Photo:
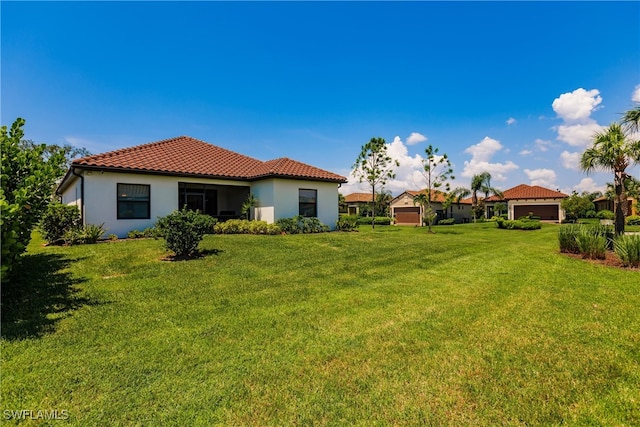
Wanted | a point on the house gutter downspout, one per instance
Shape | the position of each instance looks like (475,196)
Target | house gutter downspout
(73,172)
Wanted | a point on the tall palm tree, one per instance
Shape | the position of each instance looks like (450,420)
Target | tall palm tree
(481,183)
(613,151)
(631,119)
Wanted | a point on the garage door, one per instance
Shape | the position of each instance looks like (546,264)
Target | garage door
(545,212)
(407,215)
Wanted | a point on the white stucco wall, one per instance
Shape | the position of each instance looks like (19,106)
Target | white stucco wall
(101,199)
(279,198)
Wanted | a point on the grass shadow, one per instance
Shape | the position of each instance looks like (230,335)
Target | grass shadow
(39,296)
(199,254)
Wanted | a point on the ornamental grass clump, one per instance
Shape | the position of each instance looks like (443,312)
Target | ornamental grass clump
(567,238)
(627,247)
(592,245)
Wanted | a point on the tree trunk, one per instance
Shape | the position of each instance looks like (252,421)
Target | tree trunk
(474,205)
(373,207)
(621,202)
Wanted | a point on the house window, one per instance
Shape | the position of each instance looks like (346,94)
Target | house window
(308,202)
(134,201)
(198,197)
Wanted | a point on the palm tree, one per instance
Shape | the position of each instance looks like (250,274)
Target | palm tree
(631,119)
(613,151)
(481,183)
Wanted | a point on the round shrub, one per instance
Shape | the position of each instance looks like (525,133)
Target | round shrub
(633,220)
(57,220)
(183,230)
(606,214)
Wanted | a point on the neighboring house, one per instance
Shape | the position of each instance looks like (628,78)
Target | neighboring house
(129,189)
(357,202)
(604,202)
(524,200)
(405,212)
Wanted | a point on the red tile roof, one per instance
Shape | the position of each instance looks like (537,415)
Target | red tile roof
(436,196)
(524,191)
(357,197)
(189,156)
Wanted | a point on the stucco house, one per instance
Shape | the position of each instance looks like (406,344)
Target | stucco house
(602,203)
(356,202)
(405,212)
(523,200)
(128,189)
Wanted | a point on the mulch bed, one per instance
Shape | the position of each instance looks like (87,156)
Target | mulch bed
(610,260)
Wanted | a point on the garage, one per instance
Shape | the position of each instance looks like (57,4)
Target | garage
(407,215)
(545,212)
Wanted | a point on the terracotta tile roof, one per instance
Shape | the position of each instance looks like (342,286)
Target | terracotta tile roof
(436,196)
(357,197)
(189,156)
(524,191)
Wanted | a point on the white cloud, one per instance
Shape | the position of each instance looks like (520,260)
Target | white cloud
(481,154)
(589,185)
(542,145)
(578,105)
(526,152)
(542,177)
(511,121)
(416,138)
(408,175)
(636,94)
(570,160)
(578,134)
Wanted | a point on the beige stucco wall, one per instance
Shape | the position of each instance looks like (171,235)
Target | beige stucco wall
(511,204)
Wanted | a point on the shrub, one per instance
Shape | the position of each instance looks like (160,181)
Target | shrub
(590,214)
(606,214)
(135,234)
(627,247)
(299,224)
(448,221)
(243,226)
(518,224)
(183,230)
(567,237)
(591,245)
(57,219)
(633,220)
(112,237)
(347,223)
(380,220)
(72,236)
(152,232)
(92,233)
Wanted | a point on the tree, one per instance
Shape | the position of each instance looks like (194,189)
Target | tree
(437,171)
(451,197)
(423,200)
(383,203)
(374,166)
(68,151)
(499,208)
(480,183)
(613,151)
(28,176)
(576,206)
(631,120)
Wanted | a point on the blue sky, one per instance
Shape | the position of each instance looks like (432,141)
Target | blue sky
(512,88)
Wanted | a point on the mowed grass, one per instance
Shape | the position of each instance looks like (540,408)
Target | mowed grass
(469,326)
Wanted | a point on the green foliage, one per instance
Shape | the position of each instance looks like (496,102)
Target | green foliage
(243,226)
(449,221)
(374,166)
(135,234)
(633,220)
(590,214)
(299,224)
(183,230)
(248,205)
(379,220)
(576,206)
(57,219)
(627,247)
(347,223)
(605,214)
(112,237)
(567,238)
(437,171)
(591,245)
(27,182)
(80,235)
(519,224)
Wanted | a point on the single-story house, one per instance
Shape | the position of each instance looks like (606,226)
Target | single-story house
(356,202)
(128,189)
(406,212)
(604,203)
(524,200)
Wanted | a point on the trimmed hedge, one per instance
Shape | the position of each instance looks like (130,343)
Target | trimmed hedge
(301,225)
(380,220)
(633,220)
(518,224)
(243,226)
(448,221)
(347,223)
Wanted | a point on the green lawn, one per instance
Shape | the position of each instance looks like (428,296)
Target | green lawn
(469,326)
